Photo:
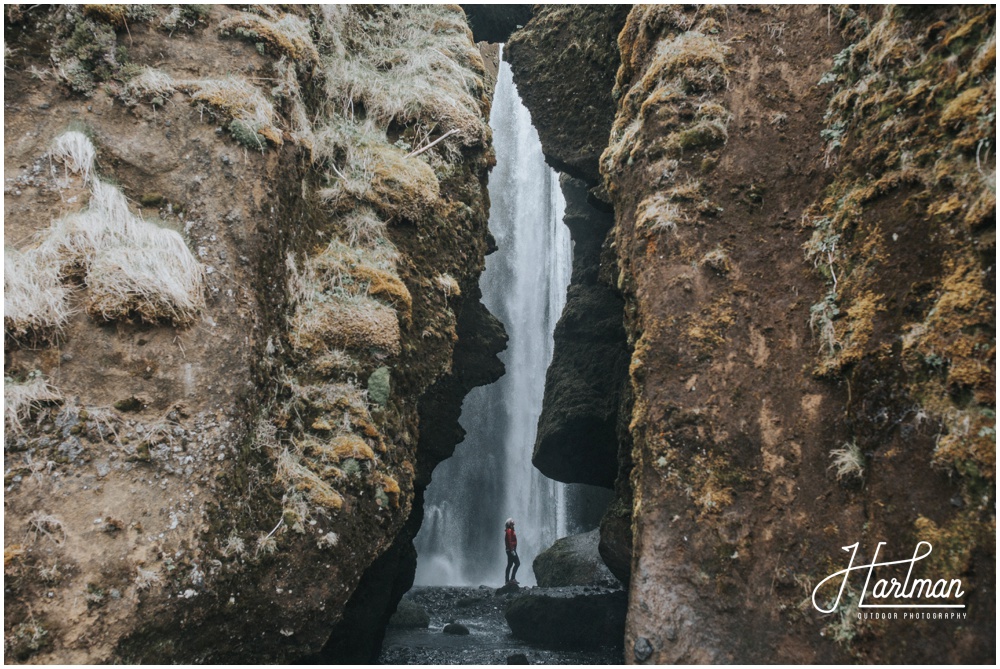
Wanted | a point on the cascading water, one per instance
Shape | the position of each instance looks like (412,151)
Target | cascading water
(490,477)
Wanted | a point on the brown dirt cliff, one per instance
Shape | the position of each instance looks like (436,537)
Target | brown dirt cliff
(804,238)
(233,291)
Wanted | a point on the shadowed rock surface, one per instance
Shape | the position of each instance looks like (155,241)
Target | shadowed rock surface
(569,617)
(577,430)
(409,614)
(495,23)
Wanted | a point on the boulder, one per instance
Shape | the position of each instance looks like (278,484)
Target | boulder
(458,629)
(409,615)
(575,617)
(573,560)
(509,588)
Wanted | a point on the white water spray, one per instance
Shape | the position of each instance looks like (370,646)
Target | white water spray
(490,477)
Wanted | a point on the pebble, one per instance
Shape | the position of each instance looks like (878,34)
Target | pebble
(642,649)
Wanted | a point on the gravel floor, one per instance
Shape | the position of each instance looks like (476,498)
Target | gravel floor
(489,640)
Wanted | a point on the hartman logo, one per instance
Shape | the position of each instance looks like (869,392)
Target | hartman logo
(884,593)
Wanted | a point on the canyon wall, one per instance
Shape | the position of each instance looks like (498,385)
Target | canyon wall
(804,239)
(241,312)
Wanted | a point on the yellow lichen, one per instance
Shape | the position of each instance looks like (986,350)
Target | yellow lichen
(113,14)
(706,329)
(952,543)
(391,488)
(351,446)
(293,472)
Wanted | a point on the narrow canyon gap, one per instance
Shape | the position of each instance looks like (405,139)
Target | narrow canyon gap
(490,477)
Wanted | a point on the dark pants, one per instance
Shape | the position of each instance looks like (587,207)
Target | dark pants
(512,561)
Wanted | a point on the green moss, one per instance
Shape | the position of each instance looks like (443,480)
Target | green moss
(379,386)
(246,134)
(26,639)
(351,467)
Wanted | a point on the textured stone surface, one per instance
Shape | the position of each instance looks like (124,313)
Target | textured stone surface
(226,474)
(564,62)
(812,359)
(495,23)
(576,440)
(570,617)
(572,560)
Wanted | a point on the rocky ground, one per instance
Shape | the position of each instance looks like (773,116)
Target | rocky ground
(489,640)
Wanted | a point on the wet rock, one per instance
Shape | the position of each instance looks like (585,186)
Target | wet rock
(409,615)
(518,658)
(458,629)
(573,560)
(569,617)
(615,546)
(508,589)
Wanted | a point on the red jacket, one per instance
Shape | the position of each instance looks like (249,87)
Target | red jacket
(510,539)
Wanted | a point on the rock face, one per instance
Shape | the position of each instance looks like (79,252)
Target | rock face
(806,251)
(572,560)
(577,430)
(569,617)
(568,53)
(225,351)
(495,23)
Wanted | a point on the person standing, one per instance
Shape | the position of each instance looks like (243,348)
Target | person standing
(510,544)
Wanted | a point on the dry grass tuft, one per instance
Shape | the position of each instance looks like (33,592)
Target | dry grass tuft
(447,284)
(848,461)
(410,65)
(233,97)
(657,213)
(47,525)
(131,267)
(292,472)
(287,36)
(149,82)
(337,306)
(350,323)
(20,399)
(365,169)
(74,150)
(35,300)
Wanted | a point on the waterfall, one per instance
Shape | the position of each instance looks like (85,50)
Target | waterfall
(490,477)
